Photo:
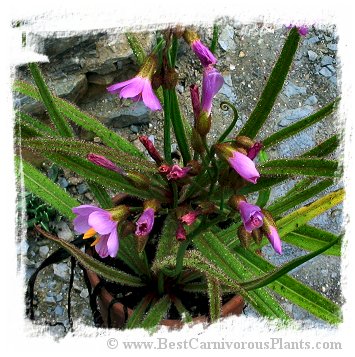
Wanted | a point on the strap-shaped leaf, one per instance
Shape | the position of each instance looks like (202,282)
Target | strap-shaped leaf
(272,87)
(300,125)
(157,313)
(214,298)
(300,217)
(312,238)
(307,167)
(215,35)
(101,269)
(284,269)
(81,148)
(46,189)
(58,120)
(182,310)
(83,119)
(40,128)
(292,289)
(101,195)
(138,313)
(136,47)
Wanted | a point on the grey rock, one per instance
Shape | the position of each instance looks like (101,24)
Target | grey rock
(59,311)
(226,39)
(43,251)
(82,188)
(332,46)
(327,60)
(227,88)
(59,297)
(28,105)
(62,181)
(134,129)
(137,113)
(63,231)
(180,88)
(291,90)
(325,72)
(61,270)
(312,100)
(49,300)
(74,180)
(333,79)
(84,293)
(291,115)
(331,68)
(72,87)
(313,40)
(101,79)
(312,55)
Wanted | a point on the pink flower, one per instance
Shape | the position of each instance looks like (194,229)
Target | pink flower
(203,53)
(180,233)
(190,218)
(138,89)
(145,222)
(254,150)
(212,82)
(302,29)
(252,216)
(93,220)
(164,169)
(177,172)
(244,166)
(274,239)
(105,163)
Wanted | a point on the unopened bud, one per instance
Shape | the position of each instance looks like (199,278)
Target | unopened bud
(235,200)
(153,152)
(243,141)
(245,237)
(196,142)
(119,213)
(195,167)
(180,233)
(141,243)
(257,235)
(138,180)
(203,124)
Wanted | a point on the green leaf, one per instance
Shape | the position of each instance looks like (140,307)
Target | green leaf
(138,313)
(292,289)
(284,269)
(311,239)
(136,47)
(214,298)
(178,126)
(40,128)
(300,125)
(300,217)
(101,269)
(214,38)
(184,313)
(46,189)
(108,137)
(157,313)
(325,148)
(101,195)
(58,120)
(307,167)
(272,87)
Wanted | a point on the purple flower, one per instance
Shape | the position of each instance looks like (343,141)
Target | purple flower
(254,150)
(252,216)
(105,163)
(93,220)
(212,82)
(138,89)
(180,233)
(302,29)
(177,172)
(203,53)
(244,166)
(190,217)
(274,239)
(145,222)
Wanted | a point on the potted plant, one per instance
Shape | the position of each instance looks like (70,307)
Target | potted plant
(183,230)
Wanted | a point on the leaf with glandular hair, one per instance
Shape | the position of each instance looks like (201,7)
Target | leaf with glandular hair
(101,269)
(101,195)
(307,167)
(182,310)
(214,298)
(136,47)
(108,137)
(291,289)
(272,87)
(56,116)
(40,128)
(156,313)
(81,148)
(135,319)
(300,217)
(46,189)
(300,125)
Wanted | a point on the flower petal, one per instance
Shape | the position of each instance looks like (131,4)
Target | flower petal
(244,166)
(81,224)
(101,247)
(85,210)
(113,243)
(116,88)
(275,240)
(132,89)
(102,222)
(149,97)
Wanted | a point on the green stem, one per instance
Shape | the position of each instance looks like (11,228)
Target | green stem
(167,124)
(224,106)
(214,39)
(158,46)
(175,194)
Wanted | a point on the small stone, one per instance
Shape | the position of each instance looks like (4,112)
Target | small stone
(84,293)
(180,88)
(63,182)
(313,40)
(63,231)
(323,289)
(324,272)
(61,270)
(226,39)
(82,188)
(332,46)
(89,196)
(333,275)
(97,140)
(43,251)
(331,68)
(74,180)
(333,79)
(326,60)
(291,115)
(241,54)
(134,129)
(50,299)
(59,311)
(325,72)
(312,55)
(232,67)
(59,297)
(312,100)
(291,90)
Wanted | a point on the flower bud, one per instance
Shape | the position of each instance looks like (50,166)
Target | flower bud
(119,213)
(203,124)
(195,100)
(244,236)
(243,141)
(180,233)
(138,180)
(195,167)
(177,172)
(270,230)
(105,163)
(257,235)
(196,142)
(254,150)
(153,152)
